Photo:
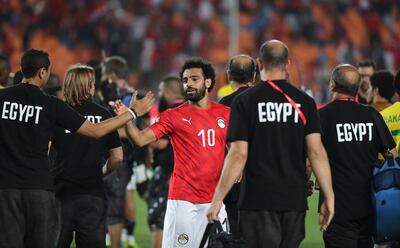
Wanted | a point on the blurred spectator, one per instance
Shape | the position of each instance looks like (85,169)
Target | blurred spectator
(54,87)
(156,36)
(5,70)
(17,77)
(366,68)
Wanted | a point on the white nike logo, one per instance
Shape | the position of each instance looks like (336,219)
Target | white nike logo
(188,121)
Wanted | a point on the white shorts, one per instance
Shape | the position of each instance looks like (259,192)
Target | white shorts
(131,186)
(185,223)
(140,174)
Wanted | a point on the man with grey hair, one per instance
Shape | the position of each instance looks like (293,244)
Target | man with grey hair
(350,136)
(272,127)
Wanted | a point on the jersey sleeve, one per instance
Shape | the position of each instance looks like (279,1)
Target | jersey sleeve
(238,128)
(66,117)
(313,123)
(163,126)
(385,139)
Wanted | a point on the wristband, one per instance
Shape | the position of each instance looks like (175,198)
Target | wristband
(132,112)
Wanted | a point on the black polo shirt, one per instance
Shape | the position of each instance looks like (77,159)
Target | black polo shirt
(350,137)
(78,160)
(227,100)
(275,173)
(233,196)
(27,119)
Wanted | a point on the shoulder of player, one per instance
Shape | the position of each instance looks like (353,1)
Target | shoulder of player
(298,93)
(93,109)
(389,110)
(225,100)
(181,107)
(219,106)
(97,108)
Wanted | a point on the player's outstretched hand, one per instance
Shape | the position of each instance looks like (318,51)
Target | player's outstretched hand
(326,213)
(213,211)
(120,108)
(143,105)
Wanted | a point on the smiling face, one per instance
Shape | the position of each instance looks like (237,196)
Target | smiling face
(194,84)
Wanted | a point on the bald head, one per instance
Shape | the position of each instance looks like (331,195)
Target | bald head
(346,79)
(242,69)
(170,88)
(274,54)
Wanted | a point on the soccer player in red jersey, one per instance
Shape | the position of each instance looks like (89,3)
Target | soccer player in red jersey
(197,130)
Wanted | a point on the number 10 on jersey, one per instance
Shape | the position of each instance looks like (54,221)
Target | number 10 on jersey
(208,135)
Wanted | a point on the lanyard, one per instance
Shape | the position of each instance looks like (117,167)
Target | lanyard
(243,86)
(290,100)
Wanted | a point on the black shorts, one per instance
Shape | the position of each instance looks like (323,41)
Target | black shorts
(86,216)
(355,233)
(115,188)
(269,229)
(28,218)
(158,197)
(156,212)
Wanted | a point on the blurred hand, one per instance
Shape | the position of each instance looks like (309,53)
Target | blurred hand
(120,108)
(310,187)
(213,211)
(143,105)
(327,212)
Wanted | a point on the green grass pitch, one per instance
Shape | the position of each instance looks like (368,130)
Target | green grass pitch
(313,235)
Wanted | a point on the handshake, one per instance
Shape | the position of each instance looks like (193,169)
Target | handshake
(136,107)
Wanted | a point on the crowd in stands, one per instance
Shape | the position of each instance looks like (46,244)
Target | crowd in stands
(156,36)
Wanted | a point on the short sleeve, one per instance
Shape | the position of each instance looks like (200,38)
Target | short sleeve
(66,117)
(238,128)
(385,139)
(163,126)
(313,123)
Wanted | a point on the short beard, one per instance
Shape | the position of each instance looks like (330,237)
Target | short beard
(200,93)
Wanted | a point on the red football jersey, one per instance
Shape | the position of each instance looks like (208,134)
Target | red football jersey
(198,138)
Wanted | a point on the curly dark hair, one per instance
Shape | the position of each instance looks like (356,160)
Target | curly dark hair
(208,70)
(383,81)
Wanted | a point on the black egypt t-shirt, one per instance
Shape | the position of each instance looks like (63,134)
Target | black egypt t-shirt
(233,196)
(27,120)
(352,142)
(78,160)
(227,100)
(275,171)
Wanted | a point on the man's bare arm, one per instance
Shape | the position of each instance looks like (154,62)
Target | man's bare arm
(98,130)
(233,167)
(320,166)
(159,144)
(139,137)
